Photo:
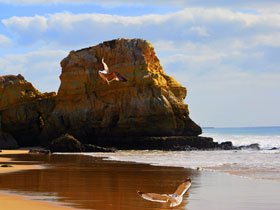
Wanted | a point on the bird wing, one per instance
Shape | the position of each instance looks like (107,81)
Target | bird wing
(120,77)
(154,197)
(106,69)
(182,188)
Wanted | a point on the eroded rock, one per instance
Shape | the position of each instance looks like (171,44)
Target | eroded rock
(23,109)
(143,106)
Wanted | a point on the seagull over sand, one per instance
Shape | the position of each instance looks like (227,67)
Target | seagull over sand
(175,199)
(110,76)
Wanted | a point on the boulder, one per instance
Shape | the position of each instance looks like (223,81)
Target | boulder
(254,146)
(227,145)
(150,103)
(6,166)
(66,143)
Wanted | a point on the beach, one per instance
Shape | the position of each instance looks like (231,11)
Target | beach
(11,200)
(85,182)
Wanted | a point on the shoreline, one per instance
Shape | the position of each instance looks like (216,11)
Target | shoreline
(15,164)
(73,179)
(15,201)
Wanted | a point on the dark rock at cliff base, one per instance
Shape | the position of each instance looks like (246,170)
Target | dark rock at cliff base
(227,145)
(66,143)
(94,148)
(254,146)
(39,151)
(7,141)
(175,143)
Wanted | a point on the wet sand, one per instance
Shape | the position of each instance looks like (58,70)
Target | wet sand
(13,202)
(16,165)
(86,182)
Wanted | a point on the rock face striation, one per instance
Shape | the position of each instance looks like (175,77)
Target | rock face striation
(90,109)
(23,109)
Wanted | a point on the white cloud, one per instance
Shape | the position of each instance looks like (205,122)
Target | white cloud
(272,39)
(75,29)
(41,68)
(228,60)
(201,31)
(4,41)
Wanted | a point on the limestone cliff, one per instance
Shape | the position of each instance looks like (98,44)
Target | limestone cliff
(143,106)
(23,109)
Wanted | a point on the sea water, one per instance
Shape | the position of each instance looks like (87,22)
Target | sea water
(259,164)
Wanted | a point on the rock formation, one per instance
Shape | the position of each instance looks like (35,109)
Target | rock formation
(90,109)
(23,109)
(147,108)
(68,143)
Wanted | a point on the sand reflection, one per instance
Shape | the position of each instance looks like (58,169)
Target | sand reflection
(90,183)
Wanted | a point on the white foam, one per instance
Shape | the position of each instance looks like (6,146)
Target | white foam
(265,141)
(258,164)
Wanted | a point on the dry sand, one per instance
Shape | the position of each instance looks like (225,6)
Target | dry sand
(13,202)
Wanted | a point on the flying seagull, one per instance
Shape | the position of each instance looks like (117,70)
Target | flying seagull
(110,76)
(175,199)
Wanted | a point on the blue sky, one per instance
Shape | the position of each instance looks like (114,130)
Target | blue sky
(225,52)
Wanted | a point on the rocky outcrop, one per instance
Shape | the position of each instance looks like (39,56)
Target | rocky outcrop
(143,106)
(68,143)
(148,108)
(175,143)
(23,109)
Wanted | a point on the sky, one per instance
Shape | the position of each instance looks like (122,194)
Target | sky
(226,52)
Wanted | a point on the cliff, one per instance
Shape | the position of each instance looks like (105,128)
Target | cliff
(146,111)
(90,109)
(23,109)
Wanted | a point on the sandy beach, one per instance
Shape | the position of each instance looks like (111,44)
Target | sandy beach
(13,202)
(16,165)
(85,182)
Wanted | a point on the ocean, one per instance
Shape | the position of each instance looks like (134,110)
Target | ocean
(248,163)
